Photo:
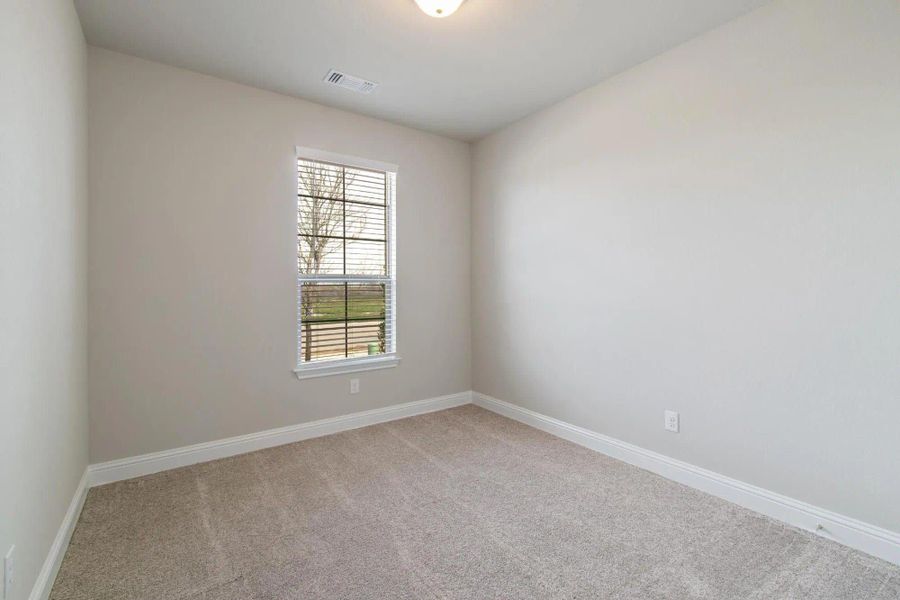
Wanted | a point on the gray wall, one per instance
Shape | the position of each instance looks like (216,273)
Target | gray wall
(43,274)
(714,232)
(193,259)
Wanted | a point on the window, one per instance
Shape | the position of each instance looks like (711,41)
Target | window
(345,264)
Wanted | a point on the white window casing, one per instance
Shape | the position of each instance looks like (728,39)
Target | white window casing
(346,264)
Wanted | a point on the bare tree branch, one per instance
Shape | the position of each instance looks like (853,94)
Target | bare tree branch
(321,223)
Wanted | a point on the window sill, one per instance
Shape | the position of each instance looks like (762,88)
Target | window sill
(349,365)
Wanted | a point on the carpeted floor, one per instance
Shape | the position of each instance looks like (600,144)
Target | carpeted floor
(457,504)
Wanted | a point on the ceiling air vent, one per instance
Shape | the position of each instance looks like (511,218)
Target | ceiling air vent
(356,84)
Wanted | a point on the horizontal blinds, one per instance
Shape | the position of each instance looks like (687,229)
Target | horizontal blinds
(346,288)
(342,320)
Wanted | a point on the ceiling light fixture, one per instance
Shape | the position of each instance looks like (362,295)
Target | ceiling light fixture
(439,8)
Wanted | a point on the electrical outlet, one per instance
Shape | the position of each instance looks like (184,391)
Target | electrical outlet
(8,573)
(354,386)
(671,423)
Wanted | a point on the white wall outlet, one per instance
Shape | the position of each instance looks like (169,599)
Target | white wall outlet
(8,573)
(354,386)
(671,421)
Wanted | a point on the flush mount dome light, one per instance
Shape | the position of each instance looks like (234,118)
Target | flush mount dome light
(439,8)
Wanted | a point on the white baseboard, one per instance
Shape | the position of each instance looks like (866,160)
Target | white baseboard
(850,532)
(856,534)
(44,582)
(146,464)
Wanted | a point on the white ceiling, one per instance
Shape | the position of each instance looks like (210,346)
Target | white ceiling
(464,76)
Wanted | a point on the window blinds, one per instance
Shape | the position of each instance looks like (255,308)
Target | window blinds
(345,262)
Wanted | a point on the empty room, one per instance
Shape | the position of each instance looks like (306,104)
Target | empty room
(450,299)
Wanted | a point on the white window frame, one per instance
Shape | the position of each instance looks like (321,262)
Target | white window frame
(390,358)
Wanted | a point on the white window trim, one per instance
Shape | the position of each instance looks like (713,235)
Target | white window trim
(388,360)
(345,160)
(347,365)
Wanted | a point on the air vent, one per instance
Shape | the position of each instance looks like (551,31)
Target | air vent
(356,84)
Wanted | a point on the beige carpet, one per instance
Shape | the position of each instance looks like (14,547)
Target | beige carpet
(457,504)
